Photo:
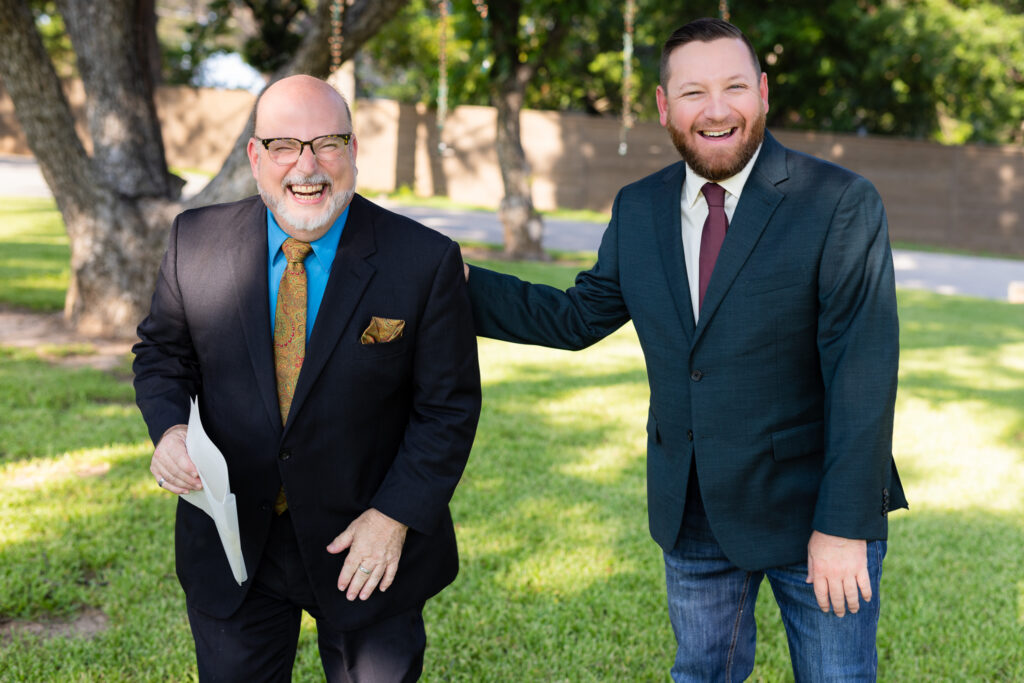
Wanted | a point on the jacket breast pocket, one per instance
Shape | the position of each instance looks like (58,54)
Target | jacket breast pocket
(798,442)
(783,279)
(373,352)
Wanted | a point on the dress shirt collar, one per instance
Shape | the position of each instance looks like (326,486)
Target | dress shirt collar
(733,185)
(324,248)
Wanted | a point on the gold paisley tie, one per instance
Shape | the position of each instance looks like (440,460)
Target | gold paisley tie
(290,332)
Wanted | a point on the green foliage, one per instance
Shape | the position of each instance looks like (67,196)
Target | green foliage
(917,68)
(947,70)
(265,32)
(50,25)
(584,75)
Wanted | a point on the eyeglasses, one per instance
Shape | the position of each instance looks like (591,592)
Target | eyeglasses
(285,151)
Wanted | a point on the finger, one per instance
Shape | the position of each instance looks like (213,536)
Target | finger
(371,582)
(184,472)
(340,542)
(835,591)
(166,483)
(359,579)
(864,582)
(821,594)
(389,576)
(852,596)
(347,571)
(175,481)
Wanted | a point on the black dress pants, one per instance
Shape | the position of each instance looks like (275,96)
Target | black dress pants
(259,641)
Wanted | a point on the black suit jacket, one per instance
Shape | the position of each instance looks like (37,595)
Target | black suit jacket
(783,391)
(387,426)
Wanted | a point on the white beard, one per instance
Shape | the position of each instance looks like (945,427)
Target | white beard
(284,214)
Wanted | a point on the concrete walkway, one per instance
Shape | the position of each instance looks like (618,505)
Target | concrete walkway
(988,278)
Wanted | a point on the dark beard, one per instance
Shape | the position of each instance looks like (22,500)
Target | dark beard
(707,168)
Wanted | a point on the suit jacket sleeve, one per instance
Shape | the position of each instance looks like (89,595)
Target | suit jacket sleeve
(445,406)
(166,368)
(506,308)
(858,344)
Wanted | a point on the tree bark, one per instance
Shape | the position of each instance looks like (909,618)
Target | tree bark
(522,225)
(111,227)
(118,204)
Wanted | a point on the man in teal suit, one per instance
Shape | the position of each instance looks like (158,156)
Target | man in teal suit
(760,283)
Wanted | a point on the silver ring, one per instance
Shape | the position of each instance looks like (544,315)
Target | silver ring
(364,569)
(160,482)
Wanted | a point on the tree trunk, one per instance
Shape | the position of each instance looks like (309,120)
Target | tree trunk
(118,204)
(112,228)
(522,225)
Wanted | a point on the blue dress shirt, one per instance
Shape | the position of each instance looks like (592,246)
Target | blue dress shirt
(318,266)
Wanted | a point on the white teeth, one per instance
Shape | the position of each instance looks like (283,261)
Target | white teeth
(716,134)
(307,189)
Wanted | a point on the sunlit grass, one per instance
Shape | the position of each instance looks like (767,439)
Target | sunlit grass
(34,260)
(559,578)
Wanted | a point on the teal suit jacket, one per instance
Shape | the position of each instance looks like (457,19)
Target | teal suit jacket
(783,391)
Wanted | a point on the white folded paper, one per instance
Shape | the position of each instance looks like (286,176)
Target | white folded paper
(215,498)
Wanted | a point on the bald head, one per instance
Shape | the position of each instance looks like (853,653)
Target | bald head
(300,95)
(305,192)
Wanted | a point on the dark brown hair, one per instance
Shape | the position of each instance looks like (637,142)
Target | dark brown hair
(705,30)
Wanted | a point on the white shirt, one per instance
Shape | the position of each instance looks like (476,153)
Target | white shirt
(694,210)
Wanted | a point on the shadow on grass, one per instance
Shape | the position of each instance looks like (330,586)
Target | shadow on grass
(51,410)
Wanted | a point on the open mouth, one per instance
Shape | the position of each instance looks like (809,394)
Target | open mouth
(723,134)
(308,192)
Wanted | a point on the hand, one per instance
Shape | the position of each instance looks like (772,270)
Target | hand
(374,542)
(838,567)
(171,465)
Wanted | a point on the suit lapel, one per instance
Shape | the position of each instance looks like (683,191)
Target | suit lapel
(350,275)
(757,203)
(668,224)
(247,263)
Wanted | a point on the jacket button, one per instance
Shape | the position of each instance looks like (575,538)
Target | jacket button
(696,375)
(284,454)
(264,507)
(689,434)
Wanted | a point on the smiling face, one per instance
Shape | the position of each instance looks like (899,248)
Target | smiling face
(306,196)
(714,104)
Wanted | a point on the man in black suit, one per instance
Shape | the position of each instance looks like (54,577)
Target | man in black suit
(343,474)
(760,282)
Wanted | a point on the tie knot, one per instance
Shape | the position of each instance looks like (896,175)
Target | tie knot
(295,250)
(714,194)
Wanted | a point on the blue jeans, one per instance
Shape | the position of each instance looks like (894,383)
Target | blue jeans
(711,606)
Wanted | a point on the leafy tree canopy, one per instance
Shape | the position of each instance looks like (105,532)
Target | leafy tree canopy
(946,70)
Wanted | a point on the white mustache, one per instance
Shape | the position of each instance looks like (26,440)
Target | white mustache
(300,179)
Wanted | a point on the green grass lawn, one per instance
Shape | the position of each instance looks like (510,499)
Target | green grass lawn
(560,580)
(34,261)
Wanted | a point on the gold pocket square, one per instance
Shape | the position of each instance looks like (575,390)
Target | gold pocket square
(382,331)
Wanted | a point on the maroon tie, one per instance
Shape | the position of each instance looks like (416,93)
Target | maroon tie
(713,235)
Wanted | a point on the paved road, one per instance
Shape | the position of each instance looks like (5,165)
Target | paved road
(987,278)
